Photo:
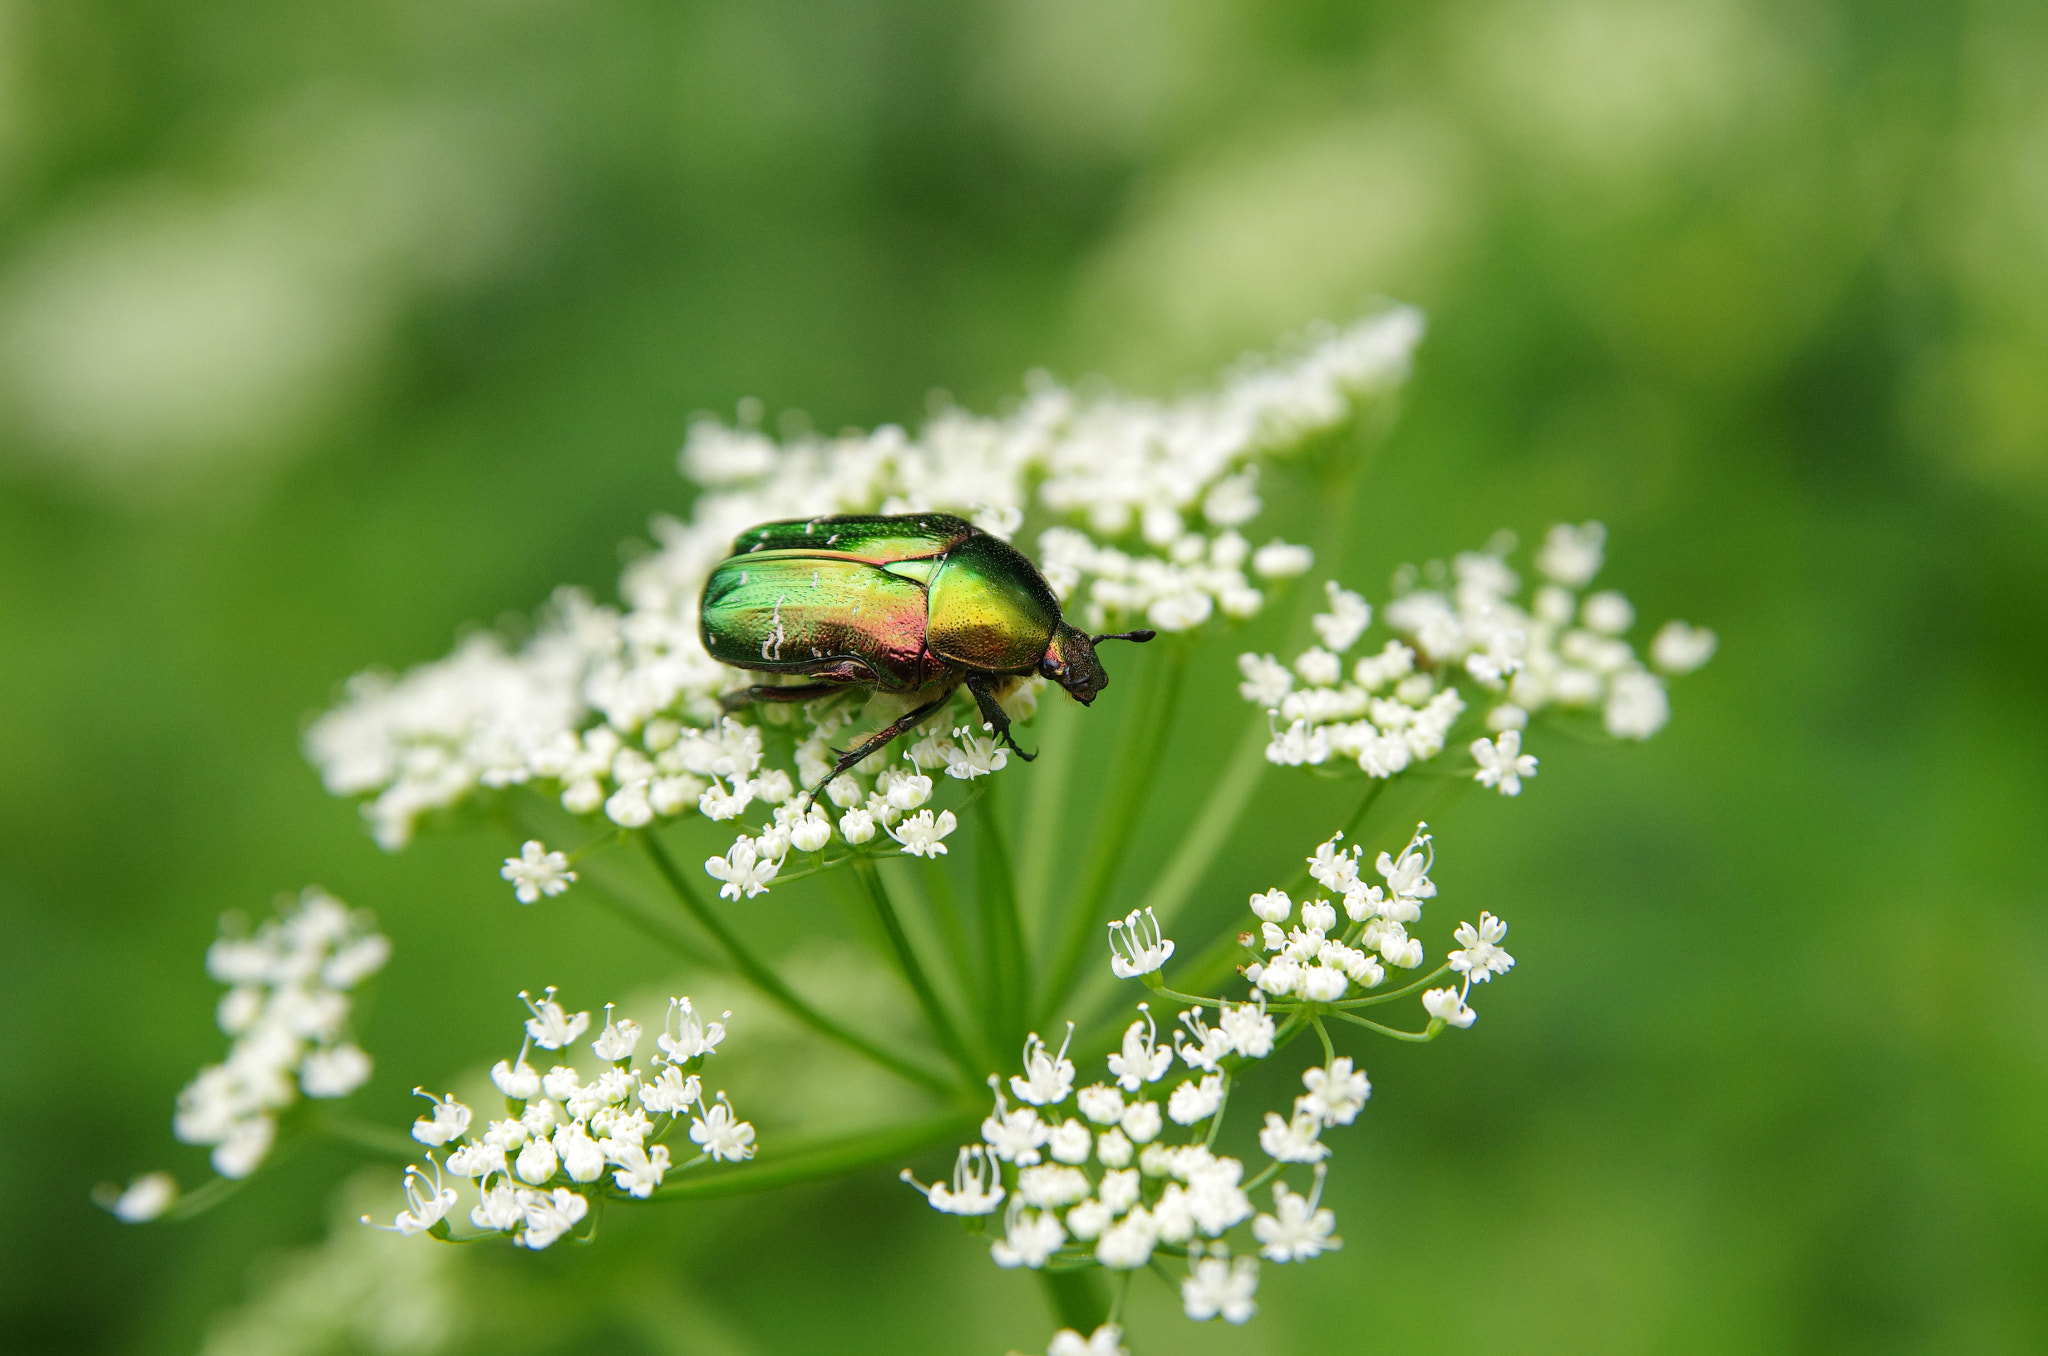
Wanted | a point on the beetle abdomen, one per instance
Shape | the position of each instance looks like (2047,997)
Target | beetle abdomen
(803,612)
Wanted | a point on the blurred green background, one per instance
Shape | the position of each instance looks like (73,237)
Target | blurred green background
(327,329)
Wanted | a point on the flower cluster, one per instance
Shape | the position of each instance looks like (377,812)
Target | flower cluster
(1309,960)
(287,1008)
(1124,1170)
(566,1138)
(1398,705)
(617,711)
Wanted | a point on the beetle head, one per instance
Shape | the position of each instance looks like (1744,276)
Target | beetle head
(1070,660)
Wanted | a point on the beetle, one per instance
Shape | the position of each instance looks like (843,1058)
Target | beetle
(913,603)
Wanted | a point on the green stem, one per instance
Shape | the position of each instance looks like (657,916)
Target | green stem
(944,911)
(1349,828)
(653,925)
(1329,1050)
(377,1139)
(761,977)
(1002,932)
(826,1158)
(1419,1037)
(1076,1298)
(1137,758)
(1216,1121)
(1045,810)
(935,1014)
(1389,997)
(204,1198)
(1212,825)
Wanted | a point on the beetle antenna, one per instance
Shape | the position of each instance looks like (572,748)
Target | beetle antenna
(1139,636)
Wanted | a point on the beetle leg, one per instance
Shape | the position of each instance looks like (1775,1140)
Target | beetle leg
(879,738)
(766,692)
(992,712)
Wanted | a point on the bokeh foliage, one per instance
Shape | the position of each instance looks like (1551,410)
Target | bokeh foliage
(323,330)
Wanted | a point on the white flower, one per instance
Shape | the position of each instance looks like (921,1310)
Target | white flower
(617,1040)
(498,1209)
(1127,1244)
(1113,1149)
(1193,1101)
(145,1198)
(856,826)
(1637,706)
(640,1171)
(1679,648)
(1250,1028)
(684,1036)
(1106,1340)
(518,1080)
(1218,1286)
(1141,1060)
(977,1185)
(1136,945)
(1296,1230)
(549,1215)
(744,869)
(1346,620)
(429,1202)
(1572,555)
(1318,667)
(812,831)
(550,1027)
(1070,1142)
(975,756)
(718,803)
(1481,957)
(1102,1103)
(1407,876)
(629,807)
(1014,1136)
(921,835)
(1209,1046)
(906,791)
(1050,1186)
(1279,560)
(335,1071)
(1273,906)
(1141,1122)
(670,1092)
(536,872)
(1608,613)
(1295,1140)
(1335,1095)
(450,1120)
(1448,1005)
(1267,681)
(474,1160)
(722,1135)
(1047,1078)
(581,1159)
(1029,1238)
(536,1162)
(1502,763)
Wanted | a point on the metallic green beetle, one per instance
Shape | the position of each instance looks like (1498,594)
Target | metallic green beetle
(917,603)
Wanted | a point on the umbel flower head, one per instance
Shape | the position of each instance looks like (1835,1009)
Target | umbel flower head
(617,712)
(569,1136)
(1103,1147)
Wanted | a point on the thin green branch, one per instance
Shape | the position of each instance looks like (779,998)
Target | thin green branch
(935,1014)
(1137,758)
(824,1158)
(1075,1298)
(1428,1033)
(376,1139)
(1390,996)
(1212,825)
(1002,932)
(762,978)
